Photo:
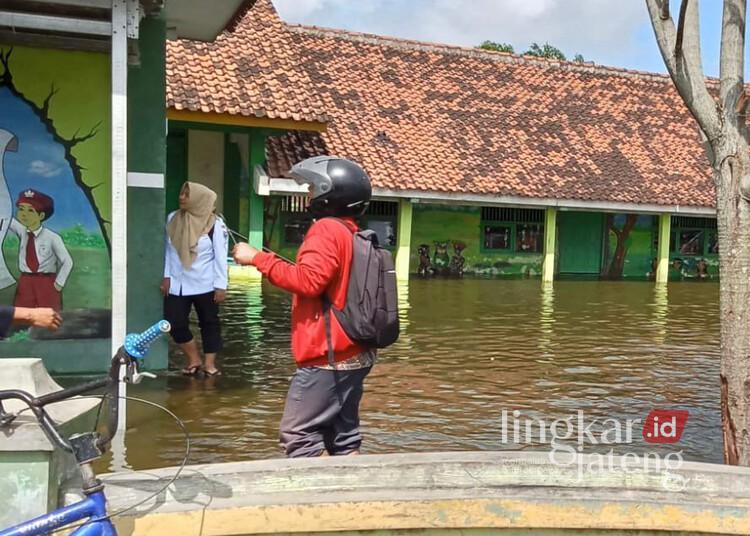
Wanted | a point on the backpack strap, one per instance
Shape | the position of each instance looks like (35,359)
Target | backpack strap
(327,305)
(327,320)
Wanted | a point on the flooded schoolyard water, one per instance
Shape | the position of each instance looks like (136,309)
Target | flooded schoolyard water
(469,350)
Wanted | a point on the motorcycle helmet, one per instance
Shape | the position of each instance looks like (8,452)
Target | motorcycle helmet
(338,187)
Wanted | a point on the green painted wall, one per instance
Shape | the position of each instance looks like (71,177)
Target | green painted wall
(146,206)
(580,236)
(443,224)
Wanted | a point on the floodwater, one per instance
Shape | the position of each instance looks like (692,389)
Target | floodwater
(470,350)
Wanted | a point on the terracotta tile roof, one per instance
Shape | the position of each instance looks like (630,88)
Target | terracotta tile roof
(250,69)
(437,118)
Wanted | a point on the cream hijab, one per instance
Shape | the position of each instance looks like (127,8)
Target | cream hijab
(190,223)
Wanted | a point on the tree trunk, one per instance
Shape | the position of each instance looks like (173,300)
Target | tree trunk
(618,258)
(732,163)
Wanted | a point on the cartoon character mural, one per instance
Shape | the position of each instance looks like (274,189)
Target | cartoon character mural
(458,261)
(55,251)
(442,259)
(43,259)
(443,263)
(425,264)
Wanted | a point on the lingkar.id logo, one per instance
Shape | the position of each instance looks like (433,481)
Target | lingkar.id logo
(568,437)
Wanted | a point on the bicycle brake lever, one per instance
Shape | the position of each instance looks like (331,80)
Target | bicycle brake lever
(138,376)
(5,417)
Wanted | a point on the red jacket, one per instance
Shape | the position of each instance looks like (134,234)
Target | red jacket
(323,264)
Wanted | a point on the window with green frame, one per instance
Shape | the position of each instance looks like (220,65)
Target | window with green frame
(694,237)
(382,217)
(516,230)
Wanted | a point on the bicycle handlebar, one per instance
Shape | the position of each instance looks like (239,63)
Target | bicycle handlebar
(134,349)
(137,345)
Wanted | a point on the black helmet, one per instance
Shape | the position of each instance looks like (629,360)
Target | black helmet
(339,187)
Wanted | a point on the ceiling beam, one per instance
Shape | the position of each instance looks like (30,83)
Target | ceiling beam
(54,41)
(28,21)
(97,4)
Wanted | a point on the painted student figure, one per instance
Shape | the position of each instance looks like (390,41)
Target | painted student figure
(43,259)
(195,275)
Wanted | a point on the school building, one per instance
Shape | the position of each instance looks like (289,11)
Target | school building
(483,163)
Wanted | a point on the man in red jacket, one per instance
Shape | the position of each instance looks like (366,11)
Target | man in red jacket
(321,415)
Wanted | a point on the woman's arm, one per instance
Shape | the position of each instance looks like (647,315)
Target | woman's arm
(221,246)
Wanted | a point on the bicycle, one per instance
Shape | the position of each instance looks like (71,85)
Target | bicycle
(85,447)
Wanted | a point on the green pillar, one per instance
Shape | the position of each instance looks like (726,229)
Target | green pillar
(550,239)
(662,266)
(255,204)
(147,156)
(403,236)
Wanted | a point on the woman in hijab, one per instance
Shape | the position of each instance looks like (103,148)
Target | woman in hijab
(195,275)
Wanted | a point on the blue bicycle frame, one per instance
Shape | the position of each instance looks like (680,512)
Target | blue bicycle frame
(91,511)
(91,508)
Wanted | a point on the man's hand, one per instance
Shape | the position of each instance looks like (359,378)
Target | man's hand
(42,317)
(244,253)
(58,288)
(219,295)
(164,287)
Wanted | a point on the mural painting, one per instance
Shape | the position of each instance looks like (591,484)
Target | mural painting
(630,247)
(443,264)
(697,268)
(619,227)
(54,188)
(450,241)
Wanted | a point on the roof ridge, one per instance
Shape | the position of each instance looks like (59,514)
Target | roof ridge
(428,46)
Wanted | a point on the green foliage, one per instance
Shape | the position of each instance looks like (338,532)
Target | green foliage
(78,237)
(497,47)
(545,51)
(540,51)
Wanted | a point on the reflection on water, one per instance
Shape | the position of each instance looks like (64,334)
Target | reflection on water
(470,349)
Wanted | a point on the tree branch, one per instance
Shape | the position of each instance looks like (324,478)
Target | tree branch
(76,139)
(687,69)
(680,27)
(45,105)
(664,15)
(732,65)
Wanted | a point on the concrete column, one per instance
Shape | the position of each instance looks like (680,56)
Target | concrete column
(147,162)
(403,234)
(255,218)
(662,267)
(550,239)
(255,205)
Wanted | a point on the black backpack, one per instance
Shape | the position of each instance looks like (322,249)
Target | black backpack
(370,315)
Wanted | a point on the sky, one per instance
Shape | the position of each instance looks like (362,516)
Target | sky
(609,32)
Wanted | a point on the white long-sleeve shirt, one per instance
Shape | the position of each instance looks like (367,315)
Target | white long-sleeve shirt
(209,270)
(50,249)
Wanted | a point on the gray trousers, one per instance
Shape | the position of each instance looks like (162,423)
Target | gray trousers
(322,412)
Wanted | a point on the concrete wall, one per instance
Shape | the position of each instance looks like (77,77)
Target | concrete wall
(503,492)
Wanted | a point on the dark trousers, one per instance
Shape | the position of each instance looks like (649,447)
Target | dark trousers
(322,412)
(177,312)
